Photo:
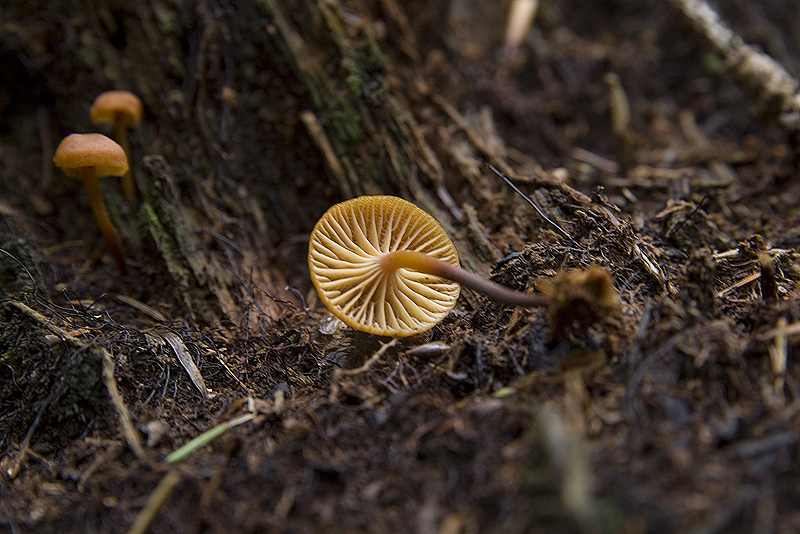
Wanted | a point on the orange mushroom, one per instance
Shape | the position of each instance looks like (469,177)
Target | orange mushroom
(123,110)
(384,266)
(90,157)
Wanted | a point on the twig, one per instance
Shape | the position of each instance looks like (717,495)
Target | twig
(520,17)
(569,458)
(743,282)
(789,330)
(754,68)
(778,355)
(13,471)
(131,436)
(473,136)
(595,160)
(339,373)
(156,501)
(324,145)
(620,106)
(142,307)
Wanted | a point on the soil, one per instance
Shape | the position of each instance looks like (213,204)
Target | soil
(658,393)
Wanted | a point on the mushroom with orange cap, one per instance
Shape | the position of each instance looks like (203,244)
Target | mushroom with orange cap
(122,110)
(90,157)
(384,266)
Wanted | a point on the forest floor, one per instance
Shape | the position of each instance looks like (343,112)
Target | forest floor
(678,411)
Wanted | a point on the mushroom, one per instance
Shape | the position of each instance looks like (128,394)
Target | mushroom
(384,266)
(123,110)
(90,157)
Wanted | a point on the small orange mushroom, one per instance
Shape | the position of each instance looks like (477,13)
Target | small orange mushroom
(90,157)
(384,266)
(122,110)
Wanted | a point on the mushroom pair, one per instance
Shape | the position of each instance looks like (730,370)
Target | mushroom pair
(384,266)
(93,156)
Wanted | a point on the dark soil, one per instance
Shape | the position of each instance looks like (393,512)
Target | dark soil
(677,411)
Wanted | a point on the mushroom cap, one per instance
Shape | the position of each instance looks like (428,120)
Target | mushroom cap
(116,106)
(76,151)
(345,249)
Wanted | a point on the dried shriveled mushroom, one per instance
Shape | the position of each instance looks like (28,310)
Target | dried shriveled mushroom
(122,110)
(90,157)
(384,266)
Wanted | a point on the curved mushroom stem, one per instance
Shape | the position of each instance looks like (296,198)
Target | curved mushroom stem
(92,184)
(418,261)
(128,185)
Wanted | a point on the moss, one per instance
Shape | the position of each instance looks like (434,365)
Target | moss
(165,244)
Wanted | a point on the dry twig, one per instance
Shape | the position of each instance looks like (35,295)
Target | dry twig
(339,373)
(754,68)
(131,436)
(156,501)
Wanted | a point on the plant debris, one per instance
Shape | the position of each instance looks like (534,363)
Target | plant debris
(615,157)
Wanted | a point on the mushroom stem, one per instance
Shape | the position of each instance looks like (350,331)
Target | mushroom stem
(92,185)
(421,262)
(128,185)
